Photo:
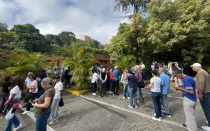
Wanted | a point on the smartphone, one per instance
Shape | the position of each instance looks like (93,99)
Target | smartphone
(32,101)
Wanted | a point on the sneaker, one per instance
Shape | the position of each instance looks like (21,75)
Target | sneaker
(184,125)
(206,128)
(162,111)
(123,98)
(136,106)
(130,106)
(128,98)
(17,128)
(168,115)
(25,112)
(50,119)
(155,116)
(94,94)
(156,119)
(53,122)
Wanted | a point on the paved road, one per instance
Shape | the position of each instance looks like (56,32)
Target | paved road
(27,122)
(80,114)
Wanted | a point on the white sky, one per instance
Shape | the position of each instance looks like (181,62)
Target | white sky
(82,17)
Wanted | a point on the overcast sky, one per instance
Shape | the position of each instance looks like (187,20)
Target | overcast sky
(91,17)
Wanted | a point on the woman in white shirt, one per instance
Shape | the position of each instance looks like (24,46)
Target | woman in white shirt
(33,90)
(14,98)
(94,81)
(155,85)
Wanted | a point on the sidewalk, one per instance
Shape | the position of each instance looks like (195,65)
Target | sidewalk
(147,108)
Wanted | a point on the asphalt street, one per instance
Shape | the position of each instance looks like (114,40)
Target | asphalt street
(80,114)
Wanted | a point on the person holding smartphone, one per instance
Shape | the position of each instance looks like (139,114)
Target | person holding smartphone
(155,85)
(43,105)
(189,101)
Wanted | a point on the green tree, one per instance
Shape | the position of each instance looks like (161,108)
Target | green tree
(127,40)
(66,37)
(54,41)
(29,38)
(125,62)
(19,62)
(126,5)
(80,63)
(180,28)
(6,37)
(3,27)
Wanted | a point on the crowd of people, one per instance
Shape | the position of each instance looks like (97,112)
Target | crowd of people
(42,95)
(133,80)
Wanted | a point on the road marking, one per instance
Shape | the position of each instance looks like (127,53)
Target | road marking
(131,111)
(31,115)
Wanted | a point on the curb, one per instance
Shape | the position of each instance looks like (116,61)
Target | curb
(77,93)
(131,111)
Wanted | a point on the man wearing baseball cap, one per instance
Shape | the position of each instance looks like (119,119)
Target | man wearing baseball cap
(203,89)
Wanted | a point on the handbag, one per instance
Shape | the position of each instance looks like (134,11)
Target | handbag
(141,84)
(61,103)
(9,114)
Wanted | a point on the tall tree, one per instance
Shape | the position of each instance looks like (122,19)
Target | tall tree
(6,37)
(29,39)
(127,5)
(54,40)
(180,28)
(3,27)
(66,37)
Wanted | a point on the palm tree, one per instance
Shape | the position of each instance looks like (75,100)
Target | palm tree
(125,5)
(80,63)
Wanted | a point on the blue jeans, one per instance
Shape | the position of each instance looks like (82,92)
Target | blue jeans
(164,101)
(126,90)
(94,87)
(133,101)
(41,121)
(4,99)
(14,120)
(156,101)
(139,93)
(205,104)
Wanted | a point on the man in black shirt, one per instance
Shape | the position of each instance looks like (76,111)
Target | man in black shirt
(5,91)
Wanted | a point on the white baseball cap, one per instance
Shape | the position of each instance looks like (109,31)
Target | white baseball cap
(196,65)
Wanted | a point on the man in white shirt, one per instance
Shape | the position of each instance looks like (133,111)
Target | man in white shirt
(58,96)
